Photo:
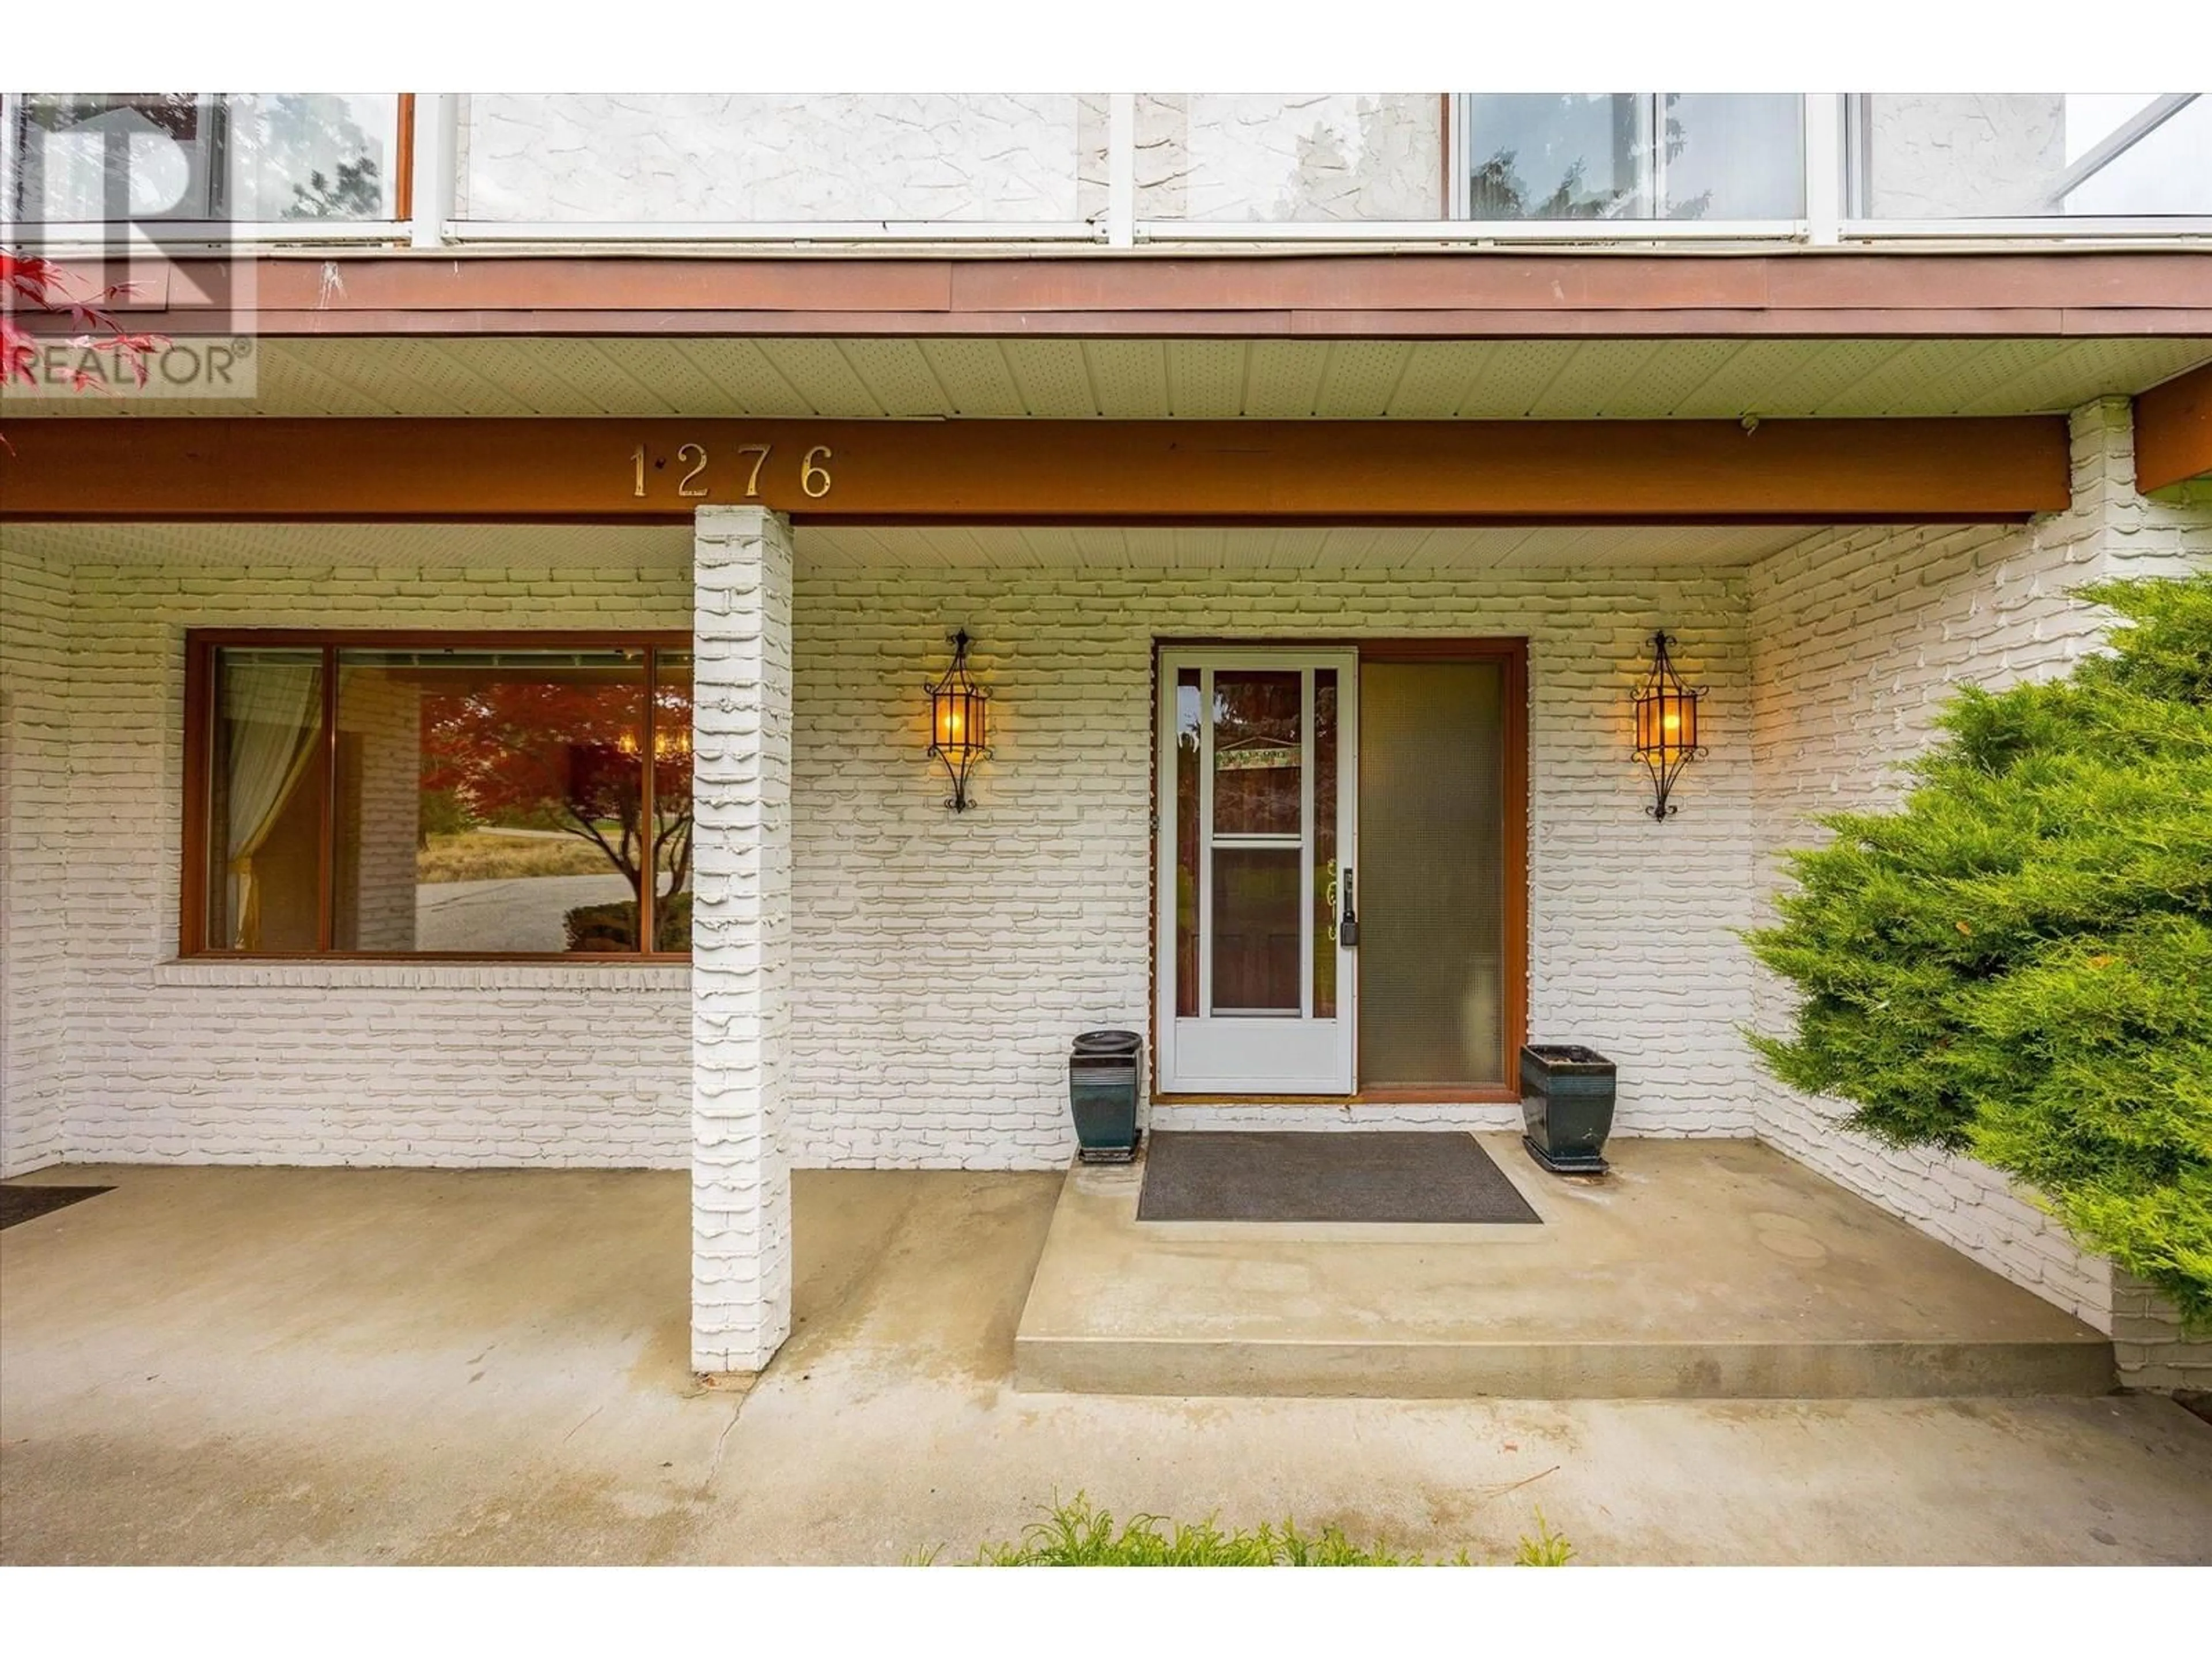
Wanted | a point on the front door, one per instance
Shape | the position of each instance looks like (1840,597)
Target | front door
(1258,771)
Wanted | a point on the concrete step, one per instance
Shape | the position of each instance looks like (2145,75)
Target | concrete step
(1697,1270)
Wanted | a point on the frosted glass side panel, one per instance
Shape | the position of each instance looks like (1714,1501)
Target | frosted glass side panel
(1325,895)
(1431,874)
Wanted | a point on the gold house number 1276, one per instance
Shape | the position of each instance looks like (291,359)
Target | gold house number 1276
(814,478)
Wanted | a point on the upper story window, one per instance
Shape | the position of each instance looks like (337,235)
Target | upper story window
(1633,155)
(204,157)
(438,795)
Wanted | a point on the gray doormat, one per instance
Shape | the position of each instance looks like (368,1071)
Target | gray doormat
(27,1203)
(1359,1174)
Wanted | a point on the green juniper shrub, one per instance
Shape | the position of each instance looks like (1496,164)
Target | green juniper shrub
(2016,963)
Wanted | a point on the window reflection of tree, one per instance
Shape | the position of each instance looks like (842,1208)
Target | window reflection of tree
(284,155)
(292,138)
(1497,189)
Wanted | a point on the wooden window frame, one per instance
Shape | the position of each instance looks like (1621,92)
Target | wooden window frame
(1511,652)
(201,645)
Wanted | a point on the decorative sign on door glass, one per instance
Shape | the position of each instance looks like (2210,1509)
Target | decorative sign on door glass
(1256,743)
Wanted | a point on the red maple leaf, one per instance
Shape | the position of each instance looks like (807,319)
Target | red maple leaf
(28,284)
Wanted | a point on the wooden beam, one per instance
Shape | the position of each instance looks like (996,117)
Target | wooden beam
(2173,430)
(1064,472)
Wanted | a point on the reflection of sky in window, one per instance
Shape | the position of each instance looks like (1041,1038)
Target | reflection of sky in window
(2169,170)
(2091,115)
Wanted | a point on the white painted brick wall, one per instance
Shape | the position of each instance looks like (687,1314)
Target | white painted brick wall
(741,1012)
(942,962)
(328,1063)
(2148,1343)
(35,836)
(1857,637)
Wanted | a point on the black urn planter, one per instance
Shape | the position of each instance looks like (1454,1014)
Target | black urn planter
(1566,1107)
(1105,1078)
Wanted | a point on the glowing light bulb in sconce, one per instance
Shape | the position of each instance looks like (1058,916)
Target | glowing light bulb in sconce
(959,722)
(1666,726)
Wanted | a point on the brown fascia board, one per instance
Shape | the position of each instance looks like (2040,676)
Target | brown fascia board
(1487,294)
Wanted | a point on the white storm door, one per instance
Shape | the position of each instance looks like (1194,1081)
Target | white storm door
(1258,791)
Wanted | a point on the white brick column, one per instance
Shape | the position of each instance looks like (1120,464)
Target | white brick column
(740,938)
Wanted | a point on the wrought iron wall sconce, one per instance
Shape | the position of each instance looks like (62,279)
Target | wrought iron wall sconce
(1666,727)
(959,722)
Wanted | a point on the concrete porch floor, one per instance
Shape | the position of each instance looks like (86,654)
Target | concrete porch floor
(1714,1269)
(332,1366)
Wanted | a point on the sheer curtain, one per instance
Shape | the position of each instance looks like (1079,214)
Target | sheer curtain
(274,714)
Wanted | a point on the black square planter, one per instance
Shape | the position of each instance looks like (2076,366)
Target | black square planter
(1566,1107)
(1105,1081)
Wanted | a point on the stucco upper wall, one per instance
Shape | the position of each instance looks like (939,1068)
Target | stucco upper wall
(1220,158)
(1001,158)
(755,157)
(1958,154)
(1241,156)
